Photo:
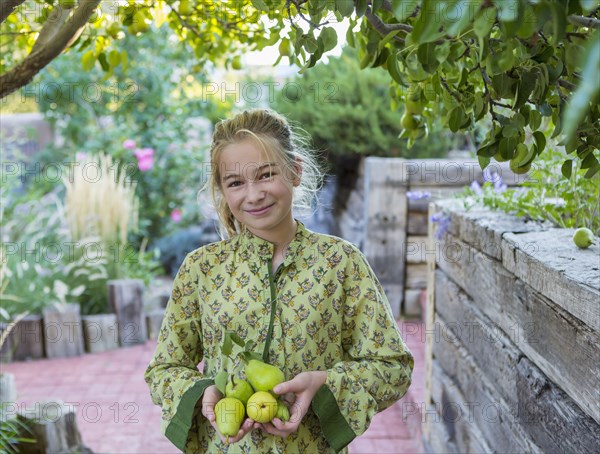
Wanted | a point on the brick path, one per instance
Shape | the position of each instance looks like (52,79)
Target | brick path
(115,413)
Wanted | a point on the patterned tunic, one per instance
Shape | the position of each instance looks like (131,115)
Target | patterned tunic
(328,312)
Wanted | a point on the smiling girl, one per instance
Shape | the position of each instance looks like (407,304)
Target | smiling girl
(310,301)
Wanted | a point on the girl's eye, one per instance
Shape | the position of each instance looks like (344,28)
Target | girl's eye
(266,175)
(233,184)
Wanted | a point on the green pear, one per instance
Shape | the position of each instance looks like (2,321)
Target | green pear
(283,411)
(583,238)
(229,415)
(239,389)
(261,407)
(263,376)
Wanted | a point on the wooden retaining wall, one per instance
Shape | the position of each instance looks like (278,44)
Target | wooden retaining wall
(396,226)
(513,336)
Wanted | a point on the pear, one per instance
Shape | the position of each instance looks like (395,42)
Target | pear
(583,238)
(261,407)
(263,376)
(239,389)
(283,412)
(229,415)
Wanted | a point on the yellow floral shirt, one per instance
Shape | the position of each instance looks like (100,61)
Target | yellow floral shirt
(328,312)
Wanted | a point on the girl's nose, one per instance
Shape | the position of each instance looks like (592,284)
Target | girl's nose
(255,192)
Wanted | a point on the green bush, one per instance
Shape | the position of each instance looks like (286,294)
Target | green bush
(347,111)
(149,104)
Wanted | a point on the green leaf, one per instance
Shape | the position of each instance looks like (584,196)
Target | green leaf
(103,61)
(392,67)
(88,60)
(260,5)
(589,161)
(404,8)
(535,119)
(588,89)
(427,58)
(483,161)
(460,9)
(387,39)
(328,37)
(484,21)
(346,8)
(361,8)
(567,168)
(457,118)
(221,381)
(250,345)
(376,5)
(540,140)
(227,345)
(426,27)
(592,170)
(525,86)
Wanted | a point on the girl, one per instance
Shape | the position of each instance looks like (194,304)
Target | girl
(310,301)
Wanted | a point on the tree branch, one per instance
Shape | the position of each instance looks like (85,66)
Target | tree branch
(566,84)
(23,73)
(7,7)
(381,27)
(589,22)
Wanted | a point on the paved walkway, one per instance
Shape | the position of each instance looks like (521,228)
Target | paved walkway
(115,413)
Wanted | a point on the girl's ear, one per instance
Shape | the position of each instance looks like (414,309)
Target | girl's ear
(298,170)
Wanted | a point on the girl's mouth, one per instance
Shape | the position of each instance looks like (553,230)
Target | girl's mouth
(260,211)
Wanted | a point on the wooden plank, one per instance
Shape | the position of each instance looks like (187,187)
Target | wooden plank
(478,403)
(456,421)
(63,336)
(385,227)
(416,249)
(417,223)
(27,340)
(100,332)
(555,267)
(53,426)
(125,300)
(416,275)
(549,416)
(154,321)
(412,303)
(563,347)
(429,318)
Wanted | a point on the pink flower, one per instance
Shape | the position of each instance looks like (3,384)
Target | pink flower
(176,215)
(81,156)
(145,157)
(129,144)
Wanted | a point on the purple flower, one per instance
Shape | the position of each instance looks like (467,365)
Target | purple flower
(417,195)
(476,188)
(145,157)
(129,144)
(487,175)
(443,221)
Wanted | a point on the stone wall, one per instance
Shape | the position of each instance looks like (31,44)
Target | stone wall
(513,329)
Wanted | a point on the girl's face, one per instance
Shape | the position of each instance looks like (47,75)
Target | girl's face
(258,191)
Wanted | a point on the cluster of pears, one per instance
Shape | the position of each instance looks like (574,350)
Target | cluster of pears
(253,397)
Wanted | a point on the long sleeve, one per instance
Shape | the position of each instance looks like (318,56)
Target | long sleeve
(175,382)
(377,366)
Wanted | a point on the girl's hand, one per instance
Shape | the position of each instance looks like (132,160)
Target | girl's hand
(303,386)
(210,398)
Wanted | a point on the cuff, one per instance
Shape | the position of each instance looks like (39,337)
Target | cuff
(335,427)
(179,427)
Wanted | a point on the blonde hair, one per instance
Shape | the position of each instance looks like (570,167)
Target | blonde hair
(277,138)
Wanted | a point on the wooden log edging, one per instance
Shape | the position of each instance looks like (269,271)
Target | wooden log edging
(504,328)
